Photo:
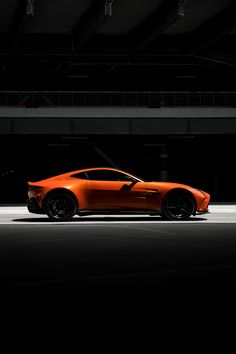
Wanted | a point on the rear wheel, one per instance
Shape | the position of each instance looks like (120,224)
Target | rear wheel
(178,206)
(60,206)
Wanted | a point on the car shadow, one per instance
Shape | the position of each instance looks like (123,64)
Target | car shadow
(103,219)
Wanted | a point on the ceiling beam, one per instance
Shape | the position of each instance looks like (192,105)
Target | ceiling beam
(217,60)
(214,29)
(93,59)
(96,15)
(25,10)
(167,13)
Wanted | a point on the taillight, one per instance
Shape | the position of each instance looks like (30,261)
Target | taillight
(34,188)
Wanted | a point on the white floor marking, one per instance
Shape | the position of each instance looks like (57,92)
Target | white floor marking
(12,215)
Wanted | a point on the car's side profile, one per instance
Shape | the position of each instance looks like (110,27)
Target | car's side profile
(94,190)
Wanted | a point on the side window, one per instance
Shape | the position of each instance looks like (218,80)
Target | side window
(80,175)
(106,175)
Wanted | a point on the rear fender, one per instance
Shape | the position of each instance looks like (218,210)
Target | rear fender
(64,190)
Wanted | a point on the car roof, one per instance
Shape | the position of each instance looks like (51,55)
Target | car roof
(86,170)
(101,168)
(98,168)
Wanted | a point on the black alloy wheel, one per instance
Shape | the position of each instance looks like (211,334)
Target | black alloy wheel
(60,206)
(178,206)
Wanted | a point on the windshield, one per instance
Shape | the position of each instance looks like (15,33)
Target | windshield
(138,178)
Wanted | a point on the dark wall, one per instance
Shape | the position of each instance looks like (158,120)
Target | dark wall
(130,78)
(205,162)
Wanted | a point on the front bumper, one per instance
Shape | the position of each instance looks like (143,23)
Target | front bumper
(203,207)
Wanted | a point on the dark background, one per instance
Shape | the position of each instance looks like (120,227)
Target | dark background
(122,45)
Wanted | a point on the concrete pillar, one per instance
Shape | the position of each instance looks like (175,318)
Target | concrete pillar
(163,163)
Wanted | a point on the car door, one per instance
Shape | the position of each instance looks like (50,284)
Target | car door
(135,195)
(115,191)
(103,195)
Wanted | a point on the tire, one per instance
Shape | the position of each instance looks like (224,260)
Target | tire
(60,206)
(178,206)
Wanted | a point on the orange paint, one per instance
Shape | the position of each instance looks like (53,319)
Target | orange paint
(121,192)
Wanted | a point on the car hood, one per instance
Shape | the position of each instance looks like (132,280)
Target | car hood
(171,185)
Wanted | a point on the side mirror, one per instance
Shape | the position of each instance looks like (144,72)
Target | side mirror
(125,188)
(128,187)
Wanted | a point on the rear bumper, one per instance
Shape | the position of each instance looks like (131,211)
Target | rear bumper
(33,206)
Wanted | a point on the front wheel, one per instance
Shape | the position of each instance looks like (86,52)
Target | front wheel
(60,206)
(178,206)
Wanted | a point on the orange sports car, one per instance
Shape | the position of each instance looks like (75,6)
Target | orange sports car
(96,190)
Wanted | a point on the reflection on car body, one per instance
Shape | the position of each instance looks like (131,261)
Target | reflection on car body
(112,190)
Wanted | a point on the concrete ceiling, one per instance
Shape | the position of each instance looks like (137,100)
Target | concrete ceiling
(78,39)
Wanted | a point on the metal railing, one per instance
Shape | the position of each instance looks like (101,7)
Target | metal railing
(116,98)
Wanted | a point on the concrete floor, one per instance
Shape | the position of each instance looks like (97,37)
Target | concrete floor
(118,259)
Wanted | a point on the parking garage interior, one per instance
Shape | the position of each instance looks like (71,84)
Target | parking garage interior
(145,87)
